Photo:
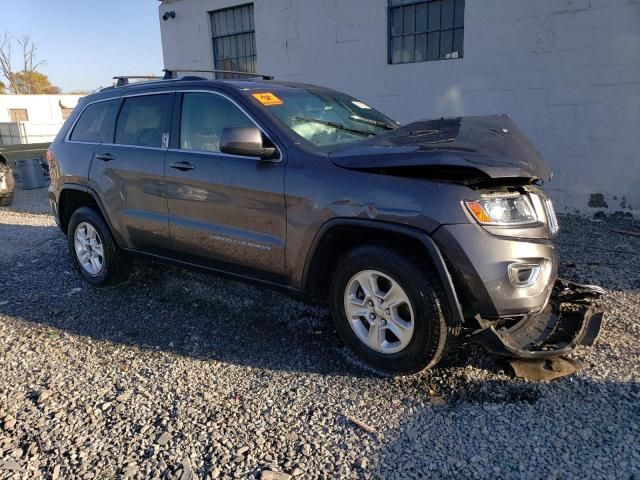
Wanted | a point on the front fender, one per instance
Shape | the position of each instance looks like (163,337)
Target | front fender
(430,248)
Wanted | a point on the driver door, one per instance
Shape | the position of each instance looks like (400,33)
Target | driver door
(225,211)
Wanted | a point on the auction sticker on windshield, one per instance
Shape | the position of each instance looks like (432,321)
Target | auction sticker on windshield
(268,99)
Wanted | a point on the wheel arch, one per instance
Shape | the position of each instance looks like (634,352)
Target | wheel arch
(72,197)
(340,235)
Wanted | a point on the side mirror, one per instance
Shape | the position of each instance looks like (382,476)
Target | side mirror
(245,141)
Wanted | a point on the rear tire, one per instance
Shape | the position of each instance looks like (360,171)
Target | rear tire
(401,323)
(93,250)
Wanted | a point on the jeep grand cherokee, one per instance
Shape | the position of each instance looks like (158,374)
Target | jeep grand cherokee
(410,233)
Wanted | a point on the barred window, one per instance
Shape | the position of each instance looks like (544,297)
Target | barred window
(234,41)
(425,30)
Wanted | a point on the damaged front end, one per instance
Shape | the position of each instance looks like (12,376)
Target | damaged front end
(496,234)
(570,319)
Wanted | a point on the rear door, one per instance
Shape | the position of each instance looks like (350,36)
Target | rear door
(94,125)
(225,210)
(128,172)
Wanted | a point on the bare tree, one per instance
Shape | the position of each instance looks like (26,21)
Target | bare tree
(29,49)
(5,60)
(27,80)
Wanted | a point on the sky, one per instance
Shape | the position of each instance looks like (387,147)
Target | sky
(86,42)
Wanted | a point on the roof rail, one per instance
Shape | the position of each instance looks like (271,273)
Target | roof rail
(171,73)
(123,80)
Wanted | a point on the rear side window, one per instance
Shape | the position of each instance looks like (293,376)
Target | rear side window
(204,116)
(96,122)
(143,120)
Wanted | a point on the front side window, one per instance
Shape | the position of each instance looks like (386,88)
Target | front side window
(96,122)
(324,117)
(204,117)
(143,120)
(425,30)
(234,41)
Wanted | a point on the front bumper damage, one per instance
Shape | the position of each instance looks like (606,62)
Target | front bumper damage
(570,319)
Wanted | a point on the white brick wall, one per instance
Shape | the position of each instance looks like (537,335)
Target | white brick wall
(568,71)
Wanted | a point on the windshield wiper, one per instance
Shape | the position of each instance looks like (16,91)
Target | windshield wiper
(371,121)
(337,125)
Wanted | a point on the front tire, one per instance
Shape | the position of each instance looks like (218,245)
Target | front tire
(389,311)
(93,250)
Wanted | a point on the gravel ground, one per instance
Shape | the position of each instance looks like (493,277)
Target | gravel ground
(181,375)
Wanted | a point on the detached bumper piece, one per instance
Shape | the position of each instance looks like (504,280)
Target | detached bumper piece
(569,320)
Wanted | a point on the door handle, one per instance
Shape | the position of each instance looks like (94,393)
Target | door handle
(105,157)
(182,166)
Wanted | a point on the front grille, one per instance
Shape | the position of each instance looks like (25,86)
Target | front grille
(551,216)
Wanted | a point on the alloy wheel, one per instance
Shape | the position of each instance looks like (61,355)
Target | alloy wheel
(379,311)
(89,248)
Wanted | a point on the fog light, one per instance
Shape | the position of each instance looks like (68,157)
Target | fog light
(523,275)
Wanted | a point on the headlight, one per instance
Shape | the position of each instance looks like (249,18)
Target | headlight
(514,210)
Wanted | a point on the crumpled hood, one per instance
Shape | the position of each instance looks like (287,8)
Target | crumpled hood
(493,145)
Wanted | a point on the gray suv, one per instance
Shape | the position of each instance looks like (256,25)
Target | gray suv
(414,235)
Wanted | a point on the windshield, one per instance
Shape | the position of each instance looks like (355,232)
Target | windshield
(324,117)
